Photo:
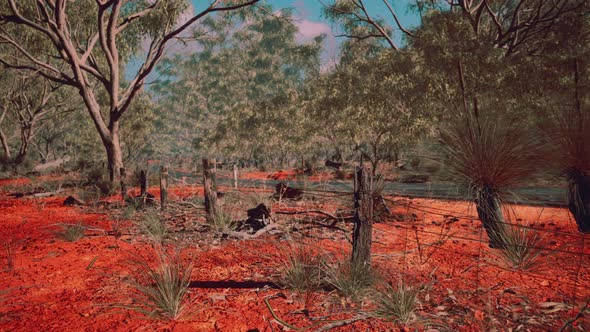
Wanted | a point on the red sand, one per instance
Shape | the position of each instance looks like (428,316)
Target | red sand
(465,286)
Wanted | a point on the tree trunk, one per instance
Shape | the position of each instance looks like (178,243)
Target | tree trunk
(363,220)
(163,188)
(210,189)
(490,213)
(579,198)
(112,145)
(5,147)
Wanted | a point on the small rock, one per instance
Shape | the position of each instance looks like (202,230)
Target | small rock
(545,283)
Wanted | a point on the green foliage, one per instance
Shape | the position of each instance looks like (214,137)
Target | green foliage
(522,249)
(397,304)
(237,97)
(161,291)
(302,270)
(351,281)
(222,222)
(71,232)
(491,151)
(154,227)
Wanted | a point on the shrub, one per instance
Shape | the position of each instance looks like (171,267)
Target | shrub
(489,154)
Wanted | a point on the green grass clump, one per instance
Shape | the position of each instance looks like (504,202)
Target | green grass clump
(352,281)
(71,232)
(222,222)
(522,248)
(302,270)
(397,304)
(161,291)
(154,227)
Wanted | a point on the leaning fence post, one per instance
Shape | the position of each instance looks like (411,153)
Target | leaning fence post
(363,219)
(163,188)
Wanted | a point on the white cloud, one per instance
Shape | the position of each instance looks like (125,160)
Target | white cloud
(309,30)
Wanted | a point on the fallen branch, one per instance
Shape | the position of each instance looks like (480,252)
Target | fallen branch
(246,236)
(580,314)
(342,322)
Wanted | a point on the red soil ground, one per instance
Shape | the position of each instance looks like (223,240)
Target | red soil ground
(49,284)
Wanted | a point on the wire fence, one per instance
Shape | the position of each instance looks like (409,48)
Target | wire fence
(567,256)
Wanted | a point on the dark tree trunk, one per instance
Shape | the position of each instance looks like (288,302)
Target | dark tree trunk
(579,199)
(363,220)
(143,183)
(123,184)
(490,213)
(210,189)
(163,187)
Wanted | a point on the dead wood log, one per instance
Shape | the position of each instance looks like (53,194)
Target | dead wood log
(333,164)
(247,236)
(72,200)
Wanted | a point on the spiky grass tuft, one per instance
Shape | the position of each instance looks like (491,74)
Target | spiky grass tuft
(352,281)
(396,304)
(522,247)
(301,270)
(71,232)
(161,291)
(154,227)
(222,222)
(492,151)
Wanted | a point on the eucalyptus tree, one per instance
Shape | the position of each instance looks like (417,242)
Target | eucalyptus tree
(85,44)
(370,104)
(29,103)
(240,92)
(359,25)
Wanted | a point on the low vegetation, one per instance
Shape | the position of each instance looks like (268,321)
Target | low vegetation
(160,291)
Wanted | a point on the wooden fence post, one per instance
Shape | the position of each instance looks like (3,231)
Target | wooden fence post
(123,184)
(363,219)
(143,183)
(236,176)
(163,187)
(210,190)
